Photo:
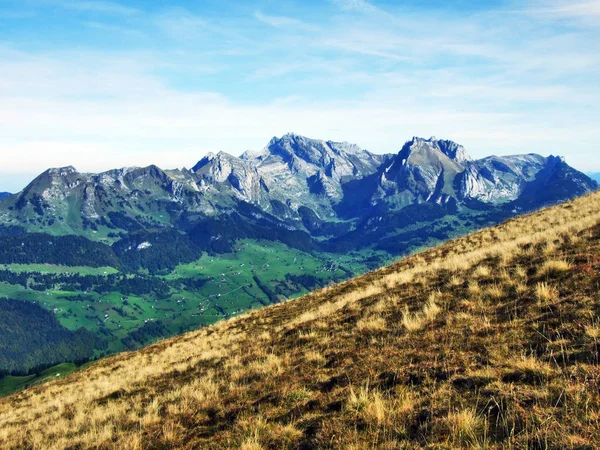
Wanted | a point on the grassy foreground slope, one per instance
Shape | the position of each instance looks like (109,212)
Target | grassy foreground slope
(487,341)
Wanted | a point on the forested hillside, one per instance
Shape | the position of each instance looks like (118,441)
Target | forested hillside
(32,338)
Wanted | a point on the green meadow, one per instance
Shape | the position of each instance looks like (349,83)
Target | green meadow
(10,384)
(57,269)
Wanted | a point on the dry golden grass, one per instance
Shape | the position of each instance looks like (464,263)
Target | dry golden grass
(371,324)
(431,308)
(529,368)
(251,444)
(593,331)
(417,320)
(456,281)
(482,272)
(555,266)
(466,428)
(315,357)
(474,289)
(546,293)
(368,404)
(495,292)
(425,353)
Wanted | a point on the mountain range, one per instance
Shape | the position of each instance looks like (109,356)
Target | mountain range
(323,192)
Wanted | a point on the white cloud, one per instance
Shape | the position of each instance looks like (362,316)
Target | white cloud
(94,6)
(187,27)
(580,12)
(485,81)
(571,9)
(287,23)
(103,26)
(355,5)
(157,124)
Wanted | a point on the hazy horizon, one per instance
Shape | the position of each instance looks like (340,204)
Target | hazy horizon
(18,181)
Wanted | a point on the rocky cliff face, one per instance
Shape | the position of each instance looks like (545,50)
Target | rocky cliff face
(241,176)
(438,171)
(304,166)
(424,170)
(499,179)
(299,154)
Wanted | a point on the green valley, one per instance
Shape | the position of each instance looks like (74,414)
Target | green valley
(151,307)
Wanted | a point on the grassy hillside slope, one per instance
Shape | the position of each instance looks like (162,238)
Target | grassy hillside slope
(487,341)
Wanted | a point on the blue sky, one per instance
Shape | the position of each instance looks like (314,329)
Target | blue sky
(99,84)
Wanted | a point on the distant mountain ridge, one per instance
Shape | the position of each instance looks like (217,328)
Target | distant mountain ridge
(320,190)
(4,194)
(594,176)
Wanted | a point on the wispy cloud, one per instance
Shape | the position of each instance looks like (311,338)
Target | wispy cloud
(283,22)
(103,26)
(94,6)
(183,25)
(586,12)
(497,81)
(355,5)
(573,8)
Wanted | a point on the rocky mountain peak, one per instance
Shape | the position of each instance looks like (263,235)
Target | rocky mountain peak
(313,151)
(220,160)
(291,146)
(241,174)
(307,156)
(249,155)
(454,151)
(432,146)
(61,171)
